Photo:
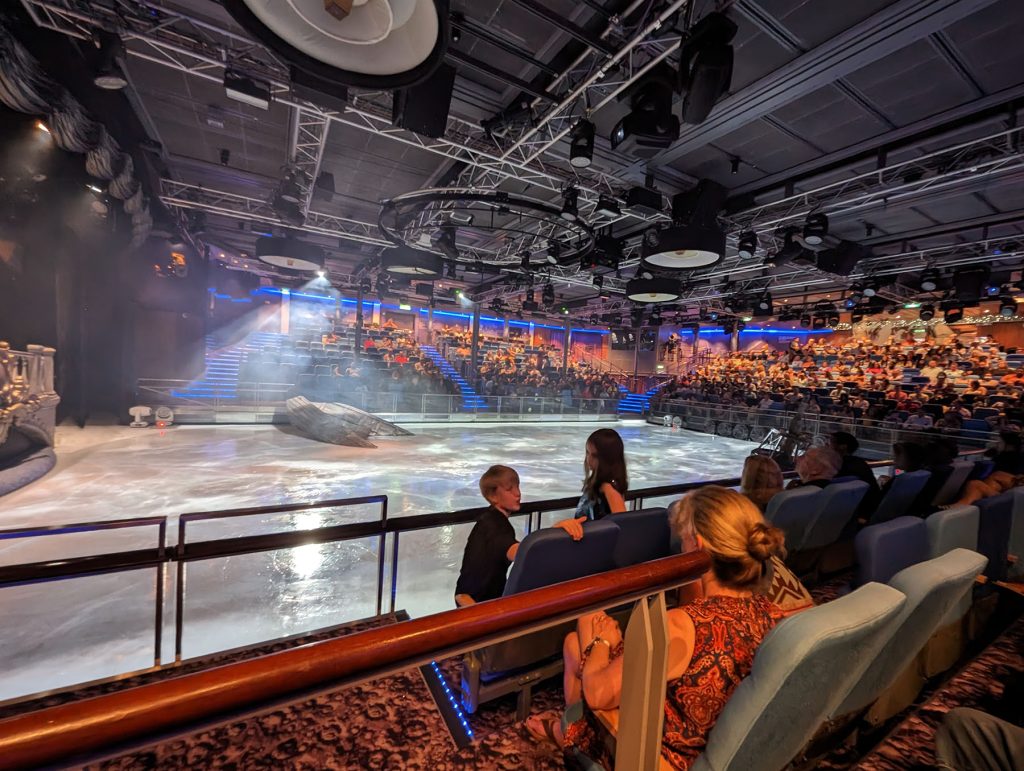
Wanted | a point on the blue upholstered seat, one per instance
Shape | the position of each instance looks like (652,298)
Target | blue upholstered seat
(802,670)
(793,511)
(643,536)
(995,523)
(836,507)
(900,497)
(960,471)
(550,556)
(932,589)
(883,550)
(953,528)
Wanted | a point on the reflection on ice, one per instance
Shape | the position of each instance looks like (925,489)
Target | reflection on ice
(109,473)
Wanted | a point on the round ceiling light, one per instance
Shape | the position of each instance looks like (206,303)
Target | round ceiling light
(684,247)
(289,253)
(407,261)
(366,43)
(653,290)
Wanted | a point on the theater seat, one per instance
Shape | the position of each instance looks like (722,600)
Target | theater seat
(961,470)
(900,497)
(1016,570)
(893,679)
(836,508)
(545,557)
(995,522)
(643,536)
(793,512)
(953,528)
(802,670)
(885,549)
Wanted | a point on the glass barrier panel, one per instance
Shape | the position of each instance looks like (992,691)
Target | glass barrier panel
(428,568)
(61,633)
(252,598)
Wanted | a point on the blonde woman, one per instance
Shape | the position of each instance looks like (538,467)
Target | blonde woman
(761,479)
(711,639)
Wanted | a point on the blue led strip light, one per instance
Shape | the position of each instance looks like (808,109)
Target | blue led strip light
(453,702)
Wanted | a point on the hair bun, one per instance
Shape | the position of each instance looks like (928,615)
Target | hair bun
(765,542)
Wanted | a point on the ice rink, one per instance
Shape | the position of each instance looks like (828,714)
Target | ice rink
(81,629)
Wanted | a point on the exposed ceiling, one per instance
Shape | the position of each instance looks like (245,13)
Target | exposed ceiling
(899,119)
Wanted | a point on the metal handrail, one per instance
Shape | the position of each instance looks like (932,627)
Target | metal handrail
(76,730)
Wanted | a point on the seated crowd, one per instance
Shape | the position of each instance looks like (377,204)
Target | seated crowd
(904,384)
(719,621)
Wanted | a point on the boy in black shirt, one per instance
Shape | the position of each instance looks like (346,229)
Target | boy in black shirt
(492,543)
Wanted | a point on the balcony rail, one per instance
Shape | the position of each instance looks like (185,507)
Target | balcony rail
(77,731)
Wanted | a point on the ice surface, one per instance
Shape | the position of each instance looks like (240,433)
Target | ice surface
(77,630)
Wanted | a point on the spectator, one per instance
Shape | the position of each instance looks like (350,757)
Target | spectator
(919,421)
(605,478)
(846,445)
(761,479)
(816,467)
(712,640)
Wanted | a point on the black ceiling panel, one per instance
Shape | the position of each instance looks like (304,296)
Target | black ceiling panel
(831,119)
(990,43)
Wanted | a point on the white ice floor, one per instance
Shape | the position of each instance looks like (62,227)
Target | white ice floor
(58,633)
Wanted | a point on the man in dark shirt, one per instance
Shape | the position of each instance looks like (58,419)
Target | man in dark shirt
(846,445)
(492,543)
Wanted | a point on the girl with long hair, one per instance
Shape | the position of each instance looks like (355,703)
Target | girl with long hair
(605,480)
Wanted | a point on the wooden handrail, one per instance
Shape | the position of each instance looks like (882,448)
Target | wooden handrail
(85,728)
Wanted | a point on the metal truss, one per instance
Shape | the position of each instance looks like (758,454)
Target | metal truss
(308,140)
(204,50)
(179,195)
(993,155)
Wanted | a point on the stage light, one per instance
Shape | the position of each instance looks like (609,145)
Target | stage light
(705,65)
(570,209)
(790,249)
(290,254)
(443,239)
(653,290)
(1007,307)
(244,89)
(815,229)
(694,239)
(108,70)
(992,288)
(871,288)
(94,188)
(850,303)
(954,312)
(607,207)
(832,318)
(450,270)
(553,253)
(321,274)
(857,293)
(929,280)
(581,144)
(927,312)
(42,127)
(729,326)
(747,246)
(650,126)
(713,316)
(413,262)
(598,282)
(524,261)
(548,297)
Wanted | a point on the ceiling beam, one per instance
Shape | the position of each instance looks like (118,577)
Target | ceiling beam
(883,33)
(949,53)
(950,228)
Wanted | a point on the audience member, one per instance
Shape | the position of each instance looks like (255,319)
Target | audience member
(605,479)
(761,479)
(817,467)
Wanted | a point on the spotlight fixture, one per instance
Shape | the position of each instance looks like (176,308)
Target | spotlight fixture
(791,249)
(815,229)
(655,318)
(694,239)
(1007,307)
(42,127)
(713,316)
(929,280)
(871,288)
(548,296)
(729,326)
(598,282)
(927,312)
(832,318)
(765,303)
(653,290)
(705,65)
(954,312)
(650,126)
(570,209)
(992,288)
(413,262)
(805,320)
(857,294)
(553,253)
(581,144)
(443,239)
(849,303)
(607,207)
(524,261)
(450,270)
(747,245)
(109,74)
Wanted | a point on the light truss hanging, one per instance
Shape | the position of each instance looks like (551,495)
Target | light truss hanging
(306,151)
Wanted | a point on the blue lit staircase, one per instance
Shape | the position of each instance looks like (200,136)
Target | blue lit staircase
(220,378)
(470,399)
(636,403)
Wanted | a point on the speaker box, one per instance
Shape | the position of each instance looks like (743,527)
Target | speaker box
(328,94)
(423,108)
(841,259)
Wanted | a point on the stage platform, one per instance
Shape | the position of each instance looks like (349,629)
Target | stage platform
(78,630)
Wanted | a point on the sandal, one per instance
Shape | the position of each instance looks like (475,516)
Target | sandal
(545,729)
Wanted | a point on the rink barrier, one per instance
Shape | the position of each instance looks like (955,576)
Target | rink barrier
(77,732)
(184,551)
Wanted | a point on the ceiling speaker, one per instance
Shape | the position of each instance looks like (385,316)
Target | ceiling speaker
(377,44)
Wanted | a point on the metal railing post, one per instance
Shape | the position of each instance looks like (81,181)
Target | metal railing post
(394,571)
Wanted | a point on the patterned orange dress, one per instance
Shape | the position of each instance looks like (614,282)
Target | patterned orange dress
(727,631)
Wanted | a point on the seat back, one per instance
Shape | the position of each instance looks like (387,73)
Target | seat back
(643,536)
(1017,533)
(802,670)
(961,469)
(836,508)
(952,528)
(900,497)
(932,588)
(883,550)
(550,556)
(995,523)
(793,511)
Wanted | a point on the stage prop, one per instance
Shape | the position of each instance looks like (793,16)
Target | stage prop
(28,415)
(338,423)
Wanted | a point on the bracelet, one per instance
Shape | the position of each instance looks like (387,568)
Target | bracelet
(614,651)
